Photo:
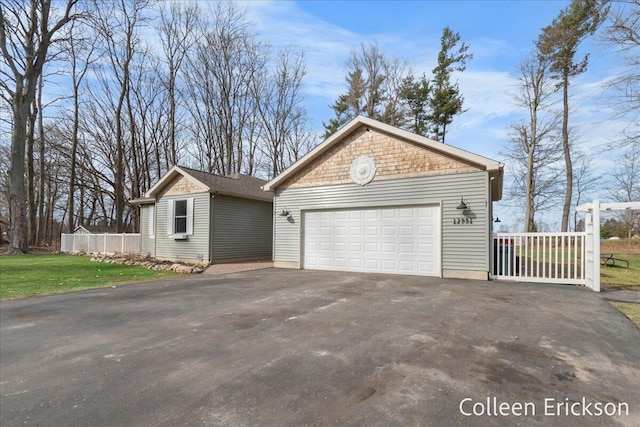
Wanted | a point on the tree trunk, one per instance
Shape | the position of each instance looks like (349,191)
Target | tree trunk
(17,207)
(31,192)
(530,222)
(567,152)
(72,160)
(41,219)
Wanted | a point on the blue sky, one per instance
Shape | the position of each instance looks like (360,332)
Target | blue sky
(500,34)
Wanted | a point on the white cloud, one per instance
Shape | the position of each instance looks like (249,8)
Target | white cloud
(488,85)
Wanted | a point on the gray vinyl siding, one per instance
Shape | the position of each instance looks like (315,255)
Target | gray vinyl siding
(464,246)
(147,244)
(197,244)
(241,229)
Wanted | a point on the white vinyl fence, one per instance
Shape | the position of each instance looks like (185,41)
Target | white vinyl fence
(540,257)
(101,243)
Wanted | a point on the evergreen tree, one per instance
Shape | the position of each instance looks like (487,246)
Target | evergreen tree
(373,87)
(416,93)
(446,100)
(559,43)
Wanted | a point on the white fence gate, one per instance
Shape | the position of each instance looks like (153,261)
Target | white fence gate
(571,258)
(540,257)
(101,243)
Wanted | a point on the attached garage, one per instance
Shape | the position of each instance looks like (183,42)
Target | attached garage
(374,198)
(385,239)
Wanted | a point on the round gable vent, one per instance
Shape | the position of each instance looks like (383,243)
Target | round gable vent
(363,169)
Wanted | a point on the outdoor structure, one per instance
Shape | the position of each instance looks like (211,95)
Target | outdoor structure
(84,240)
(99,239)
(191,215)
(375,198)
(565,258)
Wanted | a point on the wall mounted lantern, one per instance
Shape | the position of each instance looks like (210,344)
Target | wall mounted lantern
(285,212)
(462,206)
(497,220)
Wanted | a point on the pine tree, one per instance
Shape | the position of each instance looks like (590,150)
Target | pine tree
(446,100)
(559,43)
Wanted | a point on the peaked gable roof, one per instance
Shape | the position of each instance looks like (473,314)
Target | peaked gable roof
(237,185)
(482,163)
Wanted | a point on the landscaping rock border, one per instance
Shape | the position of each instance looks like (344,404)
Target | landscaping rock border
(147,261)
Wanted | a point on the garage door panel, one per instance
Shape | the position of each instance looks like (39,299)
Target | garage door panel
(425,230)
(407,230)
(340,215)
(371,214)
(325,262)
(426,248)
(426,266)
(372,231)
(406,266)
(371,264)
(355,246)
(352,214)
(388,248)
(388,265)
(388,230)
(355,231)
(370,247)
(406,249)
(385,239)
(312,262)
(355,263)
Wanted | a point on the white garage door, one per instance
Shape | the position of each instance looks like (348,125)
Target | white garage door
(395,239)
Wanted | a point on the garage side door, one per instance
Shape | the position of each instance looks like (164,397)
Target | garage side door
(394,239)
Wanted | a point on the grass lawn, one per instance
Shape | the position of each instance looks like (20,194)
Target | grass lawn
(620,276)
(42,274)
(616,276)
(629,309)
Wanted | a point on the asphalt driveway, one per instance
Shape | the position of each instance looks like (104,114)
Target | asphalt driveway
(284,347)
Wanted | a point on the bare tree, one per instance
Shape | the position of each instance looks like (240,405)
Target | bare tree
(625,185)
(623,35)
(533,147)
(118,27)
(584,180)
(80,54)
(178,23)
(280,108)
(26,34)
(222,69)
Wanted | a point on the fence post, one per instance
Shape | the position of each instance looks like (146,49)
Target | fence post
(596,245)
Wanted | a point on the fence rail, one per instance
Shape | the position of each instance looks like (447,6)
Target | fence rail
(540,257)
(101,243)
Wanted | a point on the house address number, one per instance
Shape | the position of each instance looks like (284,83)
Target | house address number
(461,221)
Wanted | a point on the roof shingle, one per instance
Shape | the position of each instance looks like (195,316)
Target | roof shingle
(233,185)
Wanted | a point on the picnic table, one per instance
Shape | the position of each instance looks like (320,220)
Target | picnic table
(611,259)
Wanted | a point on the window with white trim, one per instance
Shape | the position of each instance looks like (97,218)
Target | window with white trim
(180,217)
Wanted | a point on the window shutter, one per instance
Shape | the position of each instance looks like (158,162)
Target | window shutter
(190,216)
(152,220)
(170,221)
